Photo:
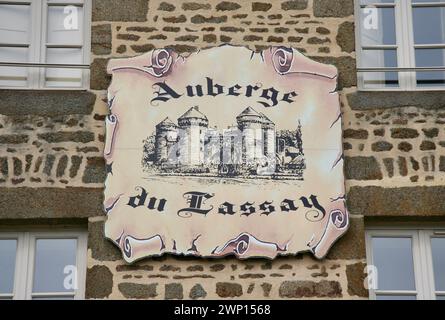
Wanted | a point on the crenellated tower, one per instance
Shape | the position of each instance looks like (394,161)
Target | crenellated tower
(165,140)
(192,131)
(250,124)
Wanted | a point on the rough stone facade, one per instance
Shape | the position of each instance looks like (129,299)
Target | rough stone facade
(51,143)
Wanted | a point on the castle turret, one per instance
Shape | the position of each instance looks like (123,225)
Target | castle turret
(250,123)
(193,126)
(166,137)
(193,117)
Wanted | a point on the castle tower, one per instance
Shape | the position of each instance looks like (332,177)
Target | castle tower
(192,127)
(269,137)
(250,123)
(166,137)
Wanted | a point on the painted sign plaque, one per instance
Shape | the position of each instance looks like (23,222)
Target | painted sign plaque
(224,152)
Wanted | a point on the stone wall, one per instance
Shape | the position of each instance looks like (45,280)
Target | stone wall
(44,143)
(397,146)
(51,145)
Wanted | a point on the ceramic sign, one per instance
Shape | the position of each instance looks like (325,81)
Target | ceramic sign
(224,152)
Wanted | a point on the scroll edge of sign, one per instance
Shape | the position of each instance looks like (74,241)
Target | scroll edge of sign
(159,62)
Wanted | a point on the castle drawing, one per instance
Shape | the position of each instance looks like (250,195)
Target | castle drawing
(251,148)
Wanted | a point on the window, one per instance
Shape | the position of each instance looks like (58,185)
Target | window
(401,34)
(46,33)
(39,265)
(410,264)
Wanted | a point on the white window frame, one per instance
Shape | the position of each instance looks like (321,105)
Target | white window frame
(422,258)
(38,44)
(405,45)
(25,258)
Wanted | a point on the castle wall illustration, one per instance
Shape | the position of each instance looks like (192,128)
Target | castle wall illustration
(251,148)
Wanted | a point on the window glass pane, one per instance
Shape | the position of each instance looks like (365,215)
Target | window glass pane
(54,298)
(15,24)
(13,76)
(390,297)
(376,59)
(429,25)
(393,258)
(376,80)
(438,253)
(51,258)
(65,25)
(379,58)
(8,249)
(430,58)
(378,31)
(440,298)
(58,77)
